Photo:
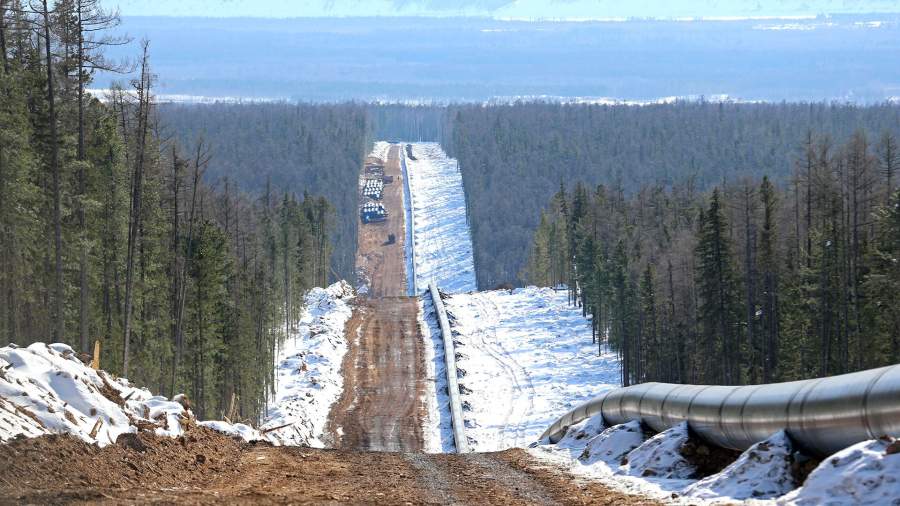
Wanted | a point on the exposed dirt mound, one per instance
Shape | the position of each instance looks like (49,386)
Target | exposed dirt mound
(205,467)
(63,468)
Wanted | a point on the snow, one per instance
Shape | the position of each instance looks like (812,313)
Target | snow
(308,374)
(380,150)
(621,458)
(525,357)
(438,427)
(236,430)
(442,243)
(46,389)
(865,473)
(613,444)
(659,456)
(761,472)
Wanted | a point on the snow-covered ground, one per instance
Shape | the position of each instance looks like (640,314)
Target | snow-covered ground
(525,357)
(47,389)
(625,459)
(380,150)
(443,245)
(308,374)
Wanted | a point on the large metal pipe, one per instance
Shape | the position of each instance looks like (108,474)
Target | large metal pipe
(822,415)
(456,413)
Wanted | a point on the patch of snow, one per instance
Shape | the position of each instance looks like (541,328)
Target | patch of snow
(611,476)
(525,357)
(613,444)
(443,245)
(438,427)
(865,473)
(579,434)
(308,374)
(660,456)
(380,150)
(761,472)
(236,430)
(46,389)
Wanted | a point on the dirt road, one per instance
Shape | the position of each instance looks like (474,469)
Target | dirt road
(209,468)
(382,405)
(381,264)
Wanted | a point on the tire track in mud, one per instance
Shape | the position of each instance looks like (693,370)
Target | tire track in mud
(382,405)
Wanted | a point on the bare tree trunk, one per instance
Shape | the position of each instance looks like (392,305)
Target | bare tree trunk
(58,314)
(750,276)
(176,263)
(82,190)
(199,162)
(143,91)
(3,36)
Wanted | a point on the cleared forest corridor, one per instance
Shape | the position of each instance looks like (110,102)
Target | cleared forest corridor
(376,429)
(382,406)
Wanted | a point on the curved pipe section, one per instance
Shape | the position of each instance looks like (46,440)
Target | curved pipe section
(822,415)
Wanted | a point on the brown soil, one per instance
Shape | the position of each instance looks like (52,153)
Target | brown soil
(383,265)
(209,468)
(53,469)
(382,405)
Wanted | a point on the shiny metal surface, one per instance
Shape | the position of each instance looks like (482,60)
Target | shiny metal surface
(822,415)
(456,413)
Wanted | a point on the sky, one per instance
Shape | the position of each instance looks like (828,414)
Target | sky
(506,9)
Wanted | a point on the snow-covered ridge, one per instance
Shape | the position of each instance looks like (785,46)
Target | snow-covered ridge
(308,371)
(47,389)
(525,357)
(443,244)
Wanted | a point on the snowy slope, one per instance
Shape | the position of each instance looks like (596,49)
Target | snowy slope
(308,374)
(525,357)
(46,389)
(443,245)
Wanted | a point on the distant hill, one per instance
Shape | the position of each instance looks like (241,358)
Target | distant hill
(466,59)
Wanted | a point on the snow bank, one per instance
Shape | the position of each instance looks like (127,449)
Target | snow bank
(443,245)
(613,444)
(576,435)
(308,374)
(761,472)
(865,473)
(525,357)
(660,456)
(46,389)
(236,430)
(438,426)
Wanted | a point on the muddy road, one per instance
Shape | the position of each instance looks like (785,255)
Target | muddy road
(383,403)
(382,407)
(380,264)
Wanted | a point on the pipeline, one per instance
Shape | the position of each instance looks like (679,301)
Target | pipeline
(822,415)
(456,413)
